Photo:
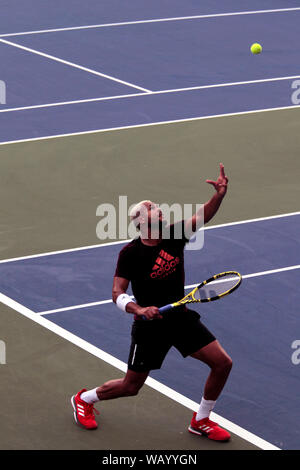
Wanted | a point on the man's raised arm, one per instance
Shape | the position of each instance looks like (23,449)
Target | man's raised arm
(211,206)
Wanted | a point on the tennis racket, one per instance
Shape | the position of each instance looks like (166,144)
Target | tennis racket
(213,288)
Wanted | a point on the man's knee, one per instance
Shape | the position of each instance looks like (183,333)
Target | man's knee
(224,364)
(131,389)
(133,384)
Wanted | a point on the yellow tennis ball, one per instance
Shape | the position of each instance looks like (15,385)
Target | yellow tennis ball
(256,48)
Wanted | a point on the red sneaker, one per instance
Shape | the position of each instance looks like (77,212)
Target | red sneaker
(84,412)
(208,428)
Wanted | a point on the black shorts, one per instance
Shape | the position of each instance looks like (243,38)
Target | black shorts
(151,340)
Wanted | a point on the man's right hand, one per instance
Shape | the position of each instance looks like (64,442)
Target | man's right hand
(150,313)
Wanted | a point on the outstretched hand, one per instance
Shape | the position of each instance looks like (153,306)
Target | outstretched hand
(221,184)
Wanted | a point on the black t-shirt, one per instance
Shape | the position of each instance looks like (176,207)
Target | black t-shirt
(156,272)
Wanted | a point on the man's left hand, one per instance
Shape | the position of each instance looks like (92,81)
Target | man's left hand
(221,184)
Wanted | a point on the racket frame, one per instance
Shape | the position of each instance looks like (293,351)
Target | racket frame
(190,297)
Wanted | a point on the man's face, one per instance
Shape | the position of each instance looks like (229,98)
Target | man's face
(152,217)
(154,214)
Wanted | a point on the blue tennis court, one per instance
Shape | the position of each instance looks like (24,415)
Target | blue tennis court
(138,72)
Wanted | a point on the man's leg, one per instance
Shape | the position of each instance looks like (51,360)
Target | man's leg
(83,402)
(129,386)
(220,364)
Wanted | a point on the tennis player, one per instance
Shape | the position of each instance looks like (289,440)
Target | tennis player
(155,267)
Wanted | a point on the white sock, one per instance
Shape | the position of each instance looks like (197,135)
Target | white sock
(204,409)
(90,396)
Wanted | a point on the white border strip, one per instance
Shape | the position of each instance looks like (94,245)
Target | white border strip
(164,390)
(108,301)
(148,124)
(120,242)
(192,405)
(158,20)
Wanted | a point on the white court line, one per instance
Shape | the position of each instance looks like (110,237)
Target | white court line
(66,103)
(76,307)
(163,389)
(101,302)
(258,219)
(72,64)
(157,20)
(261,273)
(120,242)
(160,92)
(149,124)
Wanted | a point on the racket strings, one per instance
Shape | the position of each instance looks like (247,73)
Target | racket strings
(217,287)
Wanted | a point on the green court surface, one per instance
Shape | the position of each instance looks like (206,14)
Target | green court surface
(50,189)
(41,374)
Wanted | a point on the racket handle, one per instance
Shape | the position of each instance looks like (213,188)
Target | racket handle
(163,309)
(166,308)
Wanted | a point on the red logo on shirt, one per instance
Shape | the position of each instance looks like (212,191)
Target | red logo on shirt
(164,265)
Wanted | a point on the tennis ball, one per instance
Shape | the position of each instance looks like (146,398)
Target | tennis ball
(256,48)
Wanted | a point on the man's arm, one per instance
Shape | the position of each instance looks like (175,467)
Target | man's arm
(206,213)
(120,286)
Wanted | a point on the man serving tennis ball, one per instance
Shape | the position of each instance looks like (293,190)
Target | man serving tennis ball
(155,267)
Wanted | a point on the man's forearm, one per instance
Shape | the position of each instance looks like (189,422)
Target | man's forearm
(211,207)
(203,215)
(134,308)
(131,307)
(148,313)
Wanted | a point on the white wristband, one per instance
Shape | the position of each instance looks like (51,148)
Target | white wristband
(123,300)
